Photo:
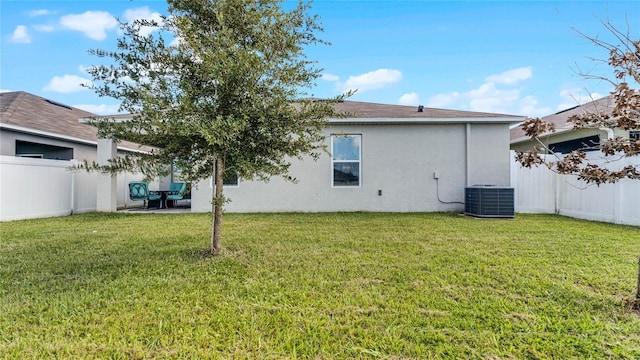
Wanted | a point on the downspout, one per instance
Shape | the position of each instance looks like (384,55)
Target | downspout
(467,153)
(608,131)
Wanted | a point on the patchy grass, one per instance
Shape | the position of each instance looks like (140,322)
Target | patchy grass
(319,286)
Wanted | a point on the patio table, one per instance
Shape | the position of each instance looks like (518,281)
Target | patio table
(163,197)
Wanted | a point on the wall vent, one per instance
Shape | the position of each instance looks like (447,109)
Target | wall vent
(489,201)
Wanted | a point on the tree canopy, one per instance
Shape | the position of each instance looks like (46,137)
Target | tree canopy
(624,59)
(216,87)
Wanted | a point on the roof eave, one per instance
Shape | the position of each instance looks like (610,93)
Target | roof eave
(547,134)
(60,136)
(425,121)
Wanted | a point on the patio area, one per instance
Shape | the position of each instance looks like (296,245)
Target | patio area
(180,209)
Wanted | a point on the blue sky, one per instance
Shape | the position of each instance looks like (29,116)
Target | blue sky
(514,57)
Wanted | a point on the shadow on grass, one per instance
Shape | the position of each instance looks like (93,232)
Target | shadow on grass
(209,253)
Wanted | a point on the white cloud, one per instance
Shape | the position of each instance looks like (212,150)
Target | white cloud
(443,100)
(527,106)
(40,12)
(495,95)
(576,96)
(409,99)
(5,90)
(510,77)
(20,35)
(330,77)
(143,13)
(66,84)
(176,41)
(372,80)
(99,109)
(488,98)
(93,24)
(44,28)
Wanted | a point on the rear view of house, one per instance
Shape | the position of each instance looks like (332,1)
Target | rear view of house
(384,158)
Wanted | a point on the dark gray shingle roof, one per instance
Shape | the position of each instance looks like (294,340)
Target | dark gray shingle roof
(602,105)
(33,112)
(375,110)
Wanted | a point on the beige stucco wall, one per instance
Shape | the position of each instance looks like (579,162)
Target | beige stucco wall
(489,158)
(398,160)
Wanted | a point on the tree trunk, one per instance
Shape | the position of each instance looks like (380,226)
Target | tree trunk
(638,285)
(218,203)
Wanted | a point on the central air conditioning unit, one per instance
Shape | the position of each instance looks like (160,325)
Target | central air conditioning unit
(489,201)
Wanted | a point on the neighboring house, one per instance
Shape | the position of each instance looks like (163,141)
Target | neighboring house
(385,158)
(38,140)
(565,139)
(35,127)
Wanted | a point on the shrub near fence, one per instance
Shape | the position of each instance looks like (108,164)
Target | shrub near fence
(540,190)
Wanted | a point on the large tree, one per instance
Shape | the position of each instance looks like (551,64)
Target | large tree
(624,59)
(217,87)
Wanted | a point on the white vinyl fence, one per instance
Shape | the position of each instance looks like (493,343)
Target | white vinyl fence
(36,188)
(539,190)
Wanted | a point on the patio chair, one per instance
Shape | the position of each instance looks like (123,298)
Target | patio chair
(139,191)
(177,191)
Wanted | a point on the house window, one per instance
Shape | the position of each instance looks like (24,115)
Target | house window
(345,160)
(42,151)
(231,180)
(589,143)
(634,135)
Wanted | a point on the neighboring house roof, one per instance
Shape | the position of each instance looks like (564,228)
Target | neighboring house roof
(560,119)
(28,113)
(366,110)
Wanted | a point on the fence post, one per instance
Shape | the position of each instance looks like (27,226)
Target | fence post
(73,187)
(638,285)
(107,185)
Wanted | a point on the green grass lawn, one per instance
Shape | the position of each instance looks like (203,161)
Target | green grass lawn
(318,286)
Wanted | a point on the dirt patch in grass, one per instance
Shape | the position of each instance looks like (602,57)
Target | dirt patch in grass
(207,253)
(634,306)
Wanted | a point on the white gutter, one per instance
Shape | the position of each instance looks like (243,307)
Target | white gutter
(116,118)
(608,131)
(526,138)
(59,136)
(459,120)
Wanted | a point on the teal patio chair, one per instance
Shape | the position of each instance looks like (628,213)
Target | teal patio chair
(139,191)
(177,191)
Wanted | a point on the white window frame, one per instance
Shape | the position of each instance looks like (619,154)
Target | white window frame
(359,162)
(32,156)
(237,184)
